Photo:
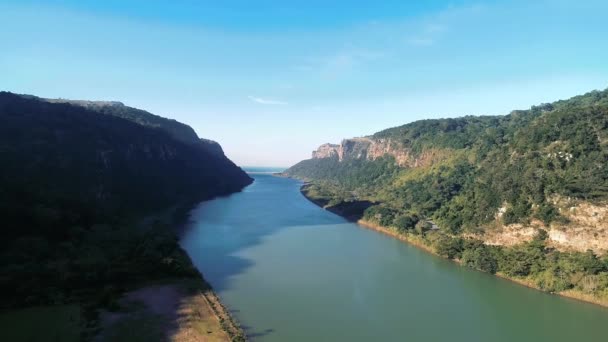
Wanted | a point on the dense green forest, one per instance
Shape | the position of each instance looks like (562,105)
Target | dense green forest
(517,164)
(80,187)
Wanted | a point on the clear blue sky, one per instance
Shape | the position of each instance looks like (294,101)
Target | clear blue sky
(271,80)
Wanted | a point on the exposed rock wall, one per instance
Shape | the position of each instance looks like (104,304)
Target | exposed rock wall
(355,148)
(372,149)
(326,151)
(586,228)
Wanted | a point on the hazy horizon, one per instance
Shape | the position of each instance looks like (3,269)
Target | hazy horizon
(270,82)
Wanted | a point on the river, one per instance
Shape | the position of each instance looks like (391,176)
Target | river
(291,271)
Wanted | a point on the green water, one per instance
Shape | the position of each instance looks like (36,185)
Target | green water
(290,271)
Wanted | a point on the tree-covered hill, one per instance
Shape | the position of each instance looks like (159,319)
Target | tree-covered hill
(75,179)
(523,194)
(472,166)
(177,130)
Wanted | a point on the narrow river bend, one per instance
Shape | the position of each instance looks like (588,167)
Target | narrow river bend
(291,271)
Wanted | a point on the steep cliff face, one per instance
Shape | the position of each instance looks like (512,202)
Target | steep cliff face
(326,151)
(370,148)
(355,148)
(585,228)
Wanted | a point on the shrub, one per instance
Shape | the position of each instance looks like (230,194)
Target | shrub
(480,258)
(449,247)
(546,212)
(406,222)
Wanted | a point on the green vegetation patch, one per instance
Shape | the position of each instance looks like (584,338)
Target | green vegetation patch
(60,323)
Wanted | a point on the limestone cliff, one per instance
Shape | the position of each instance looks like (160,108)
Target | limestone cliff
(326,151)
(373,148)
(585,227)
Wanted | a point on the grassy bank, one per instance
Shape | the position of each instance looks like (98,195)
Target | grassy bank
(429,241)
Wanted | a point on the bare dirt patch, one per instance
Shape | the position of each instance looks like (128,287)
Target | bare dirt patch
(183,311)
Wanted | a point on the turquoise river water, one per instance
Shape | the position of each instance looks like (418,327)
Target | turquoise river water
(291,271)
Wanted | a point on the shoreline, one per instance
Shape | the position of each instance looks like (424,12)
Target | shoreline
(220,313)
(176,309)
(192,297)
(228,323)
(570,294)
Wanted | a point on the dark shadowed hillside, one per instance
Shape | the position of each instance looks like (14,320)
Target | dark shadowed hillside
(177,130)
(76,178)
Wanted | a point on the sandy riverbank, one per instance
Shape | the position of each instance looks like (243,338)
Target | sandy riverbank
(179,310)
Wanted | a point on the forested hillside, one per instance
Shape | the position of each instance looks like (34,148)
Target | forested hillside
(177,130)
(522,194)
(76,181)
(520,160)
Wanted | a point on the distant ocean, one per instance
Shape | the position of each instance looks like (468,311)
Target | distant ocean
(262,169)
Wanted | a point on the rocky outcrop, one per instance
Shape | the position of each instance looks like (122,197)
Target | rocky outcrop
(372,149)
(585,227)
(359,148)
(326,151)
(355,148)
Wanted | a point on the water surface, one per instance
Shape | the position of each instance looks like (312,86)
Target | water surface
(291,271)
